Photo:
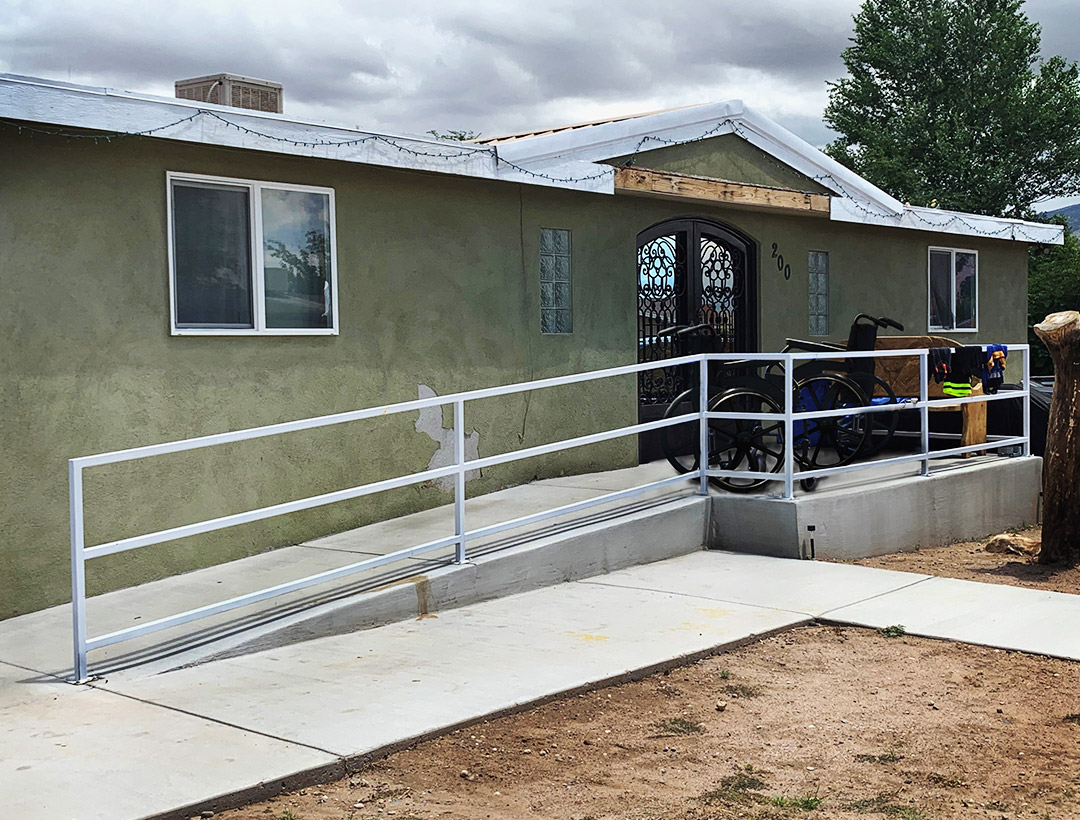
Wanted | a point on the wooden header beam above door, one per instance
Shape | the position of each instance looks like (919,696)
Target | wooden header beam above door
(643,182)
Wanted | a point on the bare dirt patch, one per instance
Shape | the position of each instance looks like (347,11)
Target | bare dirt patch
(970,561)
(819,722)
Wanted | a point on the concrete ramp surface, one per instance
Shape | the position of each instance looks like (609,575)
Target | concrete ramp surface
(203,737)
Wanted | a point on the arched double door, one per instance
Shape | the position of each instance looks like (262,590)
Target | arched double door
(691,271)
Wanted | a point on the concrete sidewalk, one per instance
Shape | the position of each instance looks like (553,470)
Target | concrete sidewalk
(172,744)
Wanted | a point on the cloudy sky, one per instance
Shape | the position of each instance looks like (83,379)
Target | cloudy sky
(494,66)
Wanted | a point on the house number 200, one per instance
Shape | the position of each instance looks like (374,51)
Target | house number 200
(780,266)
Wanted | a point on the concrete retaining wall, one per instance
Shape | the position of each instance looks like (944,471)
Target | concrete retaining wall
(863,519)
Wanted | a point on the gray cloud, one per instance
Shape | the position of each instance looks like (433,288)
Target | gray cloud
(488,65)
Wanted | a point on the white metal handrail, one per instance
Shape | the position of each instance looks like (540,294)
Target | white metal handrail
(80,553)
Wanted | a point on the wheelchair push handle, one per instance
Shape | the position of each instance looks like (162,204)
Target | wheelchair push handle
(880,321)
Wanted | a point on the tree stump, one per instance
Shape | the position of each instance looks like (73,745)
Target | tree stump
(1060,332)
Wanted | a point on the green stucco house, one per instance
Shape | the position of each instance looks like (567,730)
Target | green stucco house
(173,268)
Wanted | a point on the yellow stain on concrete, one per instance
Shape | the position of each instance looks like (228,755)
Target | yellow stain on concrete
(587,636)
(714,612)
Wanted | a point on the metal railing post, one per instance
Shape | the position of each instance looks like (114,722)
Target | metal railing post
(703,424)
(789,426)
(78,570)
(924,410)
(1026,399)
(459,480)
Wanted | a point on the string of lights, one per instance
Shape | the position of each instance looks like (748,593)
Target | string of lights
(727,125)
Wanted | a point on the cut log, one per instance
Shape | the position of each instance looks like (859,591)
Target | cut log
(1060,332)
(1014,544)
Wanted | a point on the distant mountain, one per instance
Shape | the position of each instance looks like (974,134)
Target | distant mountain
(1071,213)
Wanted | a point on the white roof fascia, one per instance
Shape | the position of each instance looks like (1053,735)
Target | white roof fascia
(593,177)
(101,109)
(953,222)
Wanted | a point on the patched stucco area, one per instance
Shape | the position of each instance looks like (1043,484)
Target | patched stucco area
(430,424)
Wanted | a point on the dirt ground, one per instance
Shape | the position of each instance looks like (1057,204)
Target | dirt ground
(818,722)
(971,562)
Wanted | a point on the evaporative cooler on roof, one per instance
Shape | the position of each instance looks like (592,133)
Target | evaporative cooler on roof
(233,90)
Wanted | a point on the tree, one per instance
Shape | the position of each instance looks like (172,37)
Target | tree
(946,103)
(1053,283)
(1061,462)
(454,135)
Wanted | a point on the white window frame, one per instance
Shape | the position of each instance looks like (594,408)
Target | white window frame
(952,290)
(258,284)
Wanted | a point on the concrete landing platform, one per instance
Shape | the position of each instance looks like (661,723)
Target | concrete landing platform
(883,509)
(221,733)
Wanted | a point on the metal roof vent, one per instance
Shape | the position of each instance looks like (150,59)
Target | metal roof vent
(234,90)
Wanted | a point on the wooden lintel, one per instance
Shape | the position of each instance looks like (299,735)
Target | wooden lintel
(681,186)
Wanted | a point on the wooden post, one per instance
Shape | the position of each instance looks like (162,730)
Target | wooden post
(1060,332)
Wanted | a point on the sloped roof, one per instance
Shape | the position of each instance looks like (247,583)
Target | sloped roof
(573,127)
(567,157)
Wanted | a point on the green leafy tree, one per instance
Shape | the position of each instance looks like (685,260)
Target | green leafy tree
(454,134)
(1053,285)
(948,104)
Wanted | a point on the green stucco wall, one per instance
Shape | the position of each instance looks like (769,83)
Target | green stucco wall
(438,285)
(726,157)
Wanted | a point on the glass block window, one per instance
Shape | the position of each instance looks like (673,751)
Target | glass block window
(556,312)
(818,269)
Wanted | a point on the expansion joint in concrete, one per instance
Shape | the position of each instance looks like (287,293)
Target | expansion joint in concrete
(823,615)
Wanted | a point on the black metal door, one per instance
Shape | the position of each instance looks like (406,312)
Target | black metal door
(690,271)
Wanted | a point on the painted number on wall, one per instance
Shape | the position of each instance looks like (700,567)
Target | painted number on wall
(780,265)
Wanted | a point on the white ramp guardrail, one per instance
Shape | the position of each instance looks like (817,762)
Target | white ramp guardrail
(81,553)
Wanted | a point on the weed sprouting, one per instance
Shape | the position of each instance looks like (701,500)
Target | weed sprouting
(679,726)
(807,802)
(894,631)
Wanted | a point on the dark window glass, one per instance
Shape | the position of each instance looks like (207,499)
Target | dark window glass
(212,255)
(966,280)
(296,258)
(941,315)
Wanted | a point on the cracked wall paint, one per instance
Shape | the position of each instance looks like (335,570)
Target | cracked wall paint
(430,424)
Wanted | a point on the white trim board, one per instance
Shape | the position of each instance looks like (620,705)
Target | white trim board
(100,109)
(570,159)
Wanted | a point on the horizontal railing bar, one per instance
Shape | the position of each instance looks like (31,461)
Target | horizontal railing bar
(934,454)
(607,498)
(974,448)
(372,412)
(839,355)
(579,441)
(939,434)
(225,521)
(264,594)
(745,474)
(1001,394)
(728,416)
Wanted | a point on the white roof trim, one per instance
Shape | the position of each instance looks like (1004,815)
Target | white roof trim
(563,159)
(101,109)
(844,209)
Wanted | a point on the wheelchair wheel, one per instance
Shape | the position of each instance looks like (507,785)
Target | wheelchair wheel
(832,441)
(734,444)
(752,445)
(882,425)
(680,441)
